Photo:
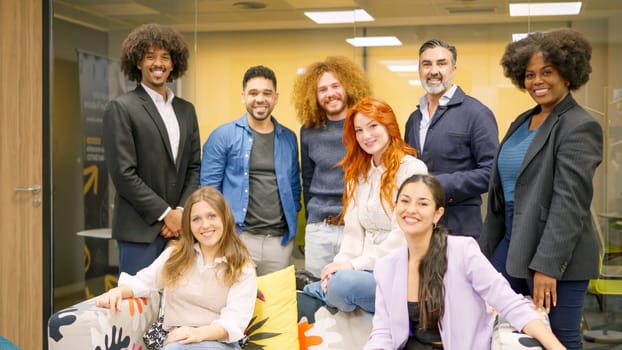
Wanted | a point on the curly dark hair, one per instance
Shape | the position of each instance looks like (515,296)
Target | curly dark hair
(153,35)
(568,50)
(304,96)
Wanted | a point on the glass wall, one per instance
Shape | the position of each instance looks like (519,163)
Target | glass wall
(227,37)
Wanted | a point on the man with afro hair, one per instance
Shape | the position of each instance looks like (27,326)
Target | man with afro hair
(151,146)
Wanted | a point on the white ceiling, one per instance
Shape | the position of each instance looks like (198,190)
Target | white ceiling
(233,15)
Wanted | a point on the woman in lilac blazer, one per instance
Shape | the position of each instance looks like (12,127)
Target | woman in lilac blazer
(433,294)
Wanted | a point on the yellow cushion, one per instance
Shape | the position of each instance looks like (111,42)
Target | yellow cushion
(274,325)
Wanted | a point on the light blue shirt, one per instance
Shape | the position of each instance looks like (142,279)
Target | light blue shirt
(426,118)
(511,158)
(226,164)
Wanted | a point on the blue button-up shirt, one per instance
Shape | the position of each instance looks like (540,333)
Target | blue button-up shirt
(226,166)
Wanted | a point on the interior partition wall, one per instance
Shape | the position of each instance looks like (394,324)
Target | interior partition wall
(213,84)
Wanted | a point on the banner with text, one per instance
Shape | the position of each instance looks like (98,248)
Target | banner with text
(100,80)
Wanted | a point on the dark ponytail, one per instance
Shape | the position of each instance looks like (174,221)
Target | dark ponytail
(431,272)
(433,266)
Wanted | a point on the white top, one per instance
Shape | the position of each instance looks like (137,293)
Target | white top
(200,298)
(366,225)
(426,118)
(167,113)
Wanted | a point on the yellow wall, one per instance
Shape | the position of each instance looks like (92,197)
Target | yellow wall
(214,85)
(214,80)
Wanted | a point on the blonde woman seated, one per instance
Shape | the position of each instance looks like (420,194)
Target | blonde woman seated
(433,293)
(207,276)
(377,161)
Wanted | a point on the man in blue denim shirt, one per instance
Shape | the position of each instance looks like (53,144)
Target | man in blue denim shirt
(253,161)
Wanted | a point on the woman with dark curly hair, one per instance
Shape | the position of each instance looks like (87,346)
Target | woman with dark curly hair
(538,231)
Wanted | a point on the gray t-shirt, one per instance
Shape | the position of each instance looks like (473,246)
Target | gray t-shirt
(322,181)
(264,214)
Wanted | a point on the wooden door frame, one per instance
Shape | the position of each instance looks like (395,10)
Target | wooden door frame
(25,286)
(46,164)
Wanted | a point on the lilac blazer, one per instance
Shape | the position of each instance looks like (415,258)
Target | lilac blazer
(470,284)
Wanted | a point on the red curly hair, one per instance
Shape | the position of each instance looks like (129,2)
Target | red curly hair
(356,163)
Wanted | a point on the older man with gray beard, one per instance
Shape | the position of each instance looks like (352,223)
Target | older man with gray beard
(455,135)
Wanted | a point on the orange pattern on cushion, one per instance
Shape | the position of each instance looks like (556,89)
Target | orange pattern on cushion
(136,303)
(307,341)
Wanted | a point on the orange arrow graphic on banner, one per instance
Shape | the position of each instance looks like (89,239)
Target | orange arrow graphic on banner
(92,172)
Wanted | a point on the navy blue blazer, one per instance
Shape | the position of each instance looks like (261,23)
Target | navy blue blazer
(552,230)
(140,162)
(459,150)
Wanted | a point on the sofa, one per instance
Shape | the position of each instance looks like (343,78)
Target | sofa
(283,319)
(275,325)
(86,326)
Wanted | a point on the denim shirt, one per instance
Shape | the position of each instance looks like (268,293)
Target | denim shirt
(226,164)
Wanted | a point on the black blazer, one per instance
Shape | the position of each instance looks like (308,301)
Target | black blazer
(552,231)
(140,162)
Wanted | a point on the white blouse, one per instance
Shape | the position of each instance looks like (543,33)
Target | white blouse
(200,298)
(366,225)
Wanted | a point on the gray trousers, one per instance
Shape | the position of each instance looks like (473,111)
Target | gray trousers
(267,252)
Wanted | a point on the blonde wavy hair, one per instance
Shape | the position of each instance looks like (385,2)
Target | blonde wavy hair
(230,246)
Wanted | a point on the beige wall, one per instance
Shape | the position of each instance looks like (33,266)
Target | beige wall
(213,82)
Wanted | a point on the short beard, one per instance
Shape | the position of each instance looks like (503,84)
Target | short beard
(437,89)
(336,112)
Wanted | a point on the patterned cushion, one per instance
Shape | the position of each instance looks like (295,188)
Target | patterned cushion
(505,337)
(320,327)
(86,326)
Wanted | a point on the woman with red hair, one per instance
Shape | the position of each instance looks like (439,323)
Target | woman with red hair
(377,161)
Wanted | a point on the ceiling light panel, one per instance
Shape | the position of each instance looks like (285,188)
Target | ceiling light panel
(322,4)
(331,17)
(367,41)
(545,9)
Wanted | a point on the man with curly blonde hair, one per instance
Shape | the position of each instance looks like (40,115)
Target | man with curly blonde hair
(322,96)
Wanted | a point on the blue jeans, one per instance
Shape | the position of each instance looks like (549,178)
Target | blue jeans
(346,290)
(204,345)
(133,257)
(566,317)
